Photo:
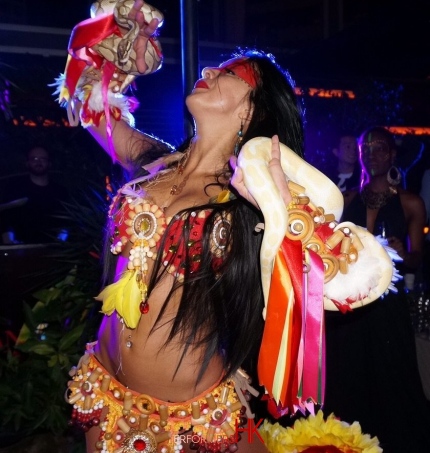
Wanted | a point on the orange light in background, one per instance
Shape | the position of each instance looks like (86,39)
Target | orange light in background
(406,130)
(325,93)
(40,121)
(48,123)
(426,229)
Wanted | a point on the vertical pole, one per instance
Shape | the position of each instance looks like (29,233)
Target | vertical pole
(340,15)
(326,19)
(189,54)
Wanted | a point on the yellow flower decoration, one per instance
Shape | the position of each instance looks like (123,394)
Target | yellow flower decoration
(310,435)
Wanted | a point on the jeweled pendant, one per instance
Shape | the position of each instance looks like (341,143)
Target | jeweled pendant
(144,307)
(129,343)
(139,441)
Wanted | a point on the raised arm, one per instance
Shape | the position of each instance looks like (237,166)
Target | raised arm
(127,142)
(106,54)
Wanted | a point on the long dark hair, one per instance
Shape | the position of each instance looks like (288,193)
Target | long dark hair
(222,310)
(276,107)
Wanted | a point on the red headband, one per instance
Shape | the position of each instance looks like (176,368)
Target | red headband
(242,69)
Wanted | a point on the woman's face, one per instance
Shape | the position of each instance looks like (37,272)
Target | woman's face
(224,89)
(376,157)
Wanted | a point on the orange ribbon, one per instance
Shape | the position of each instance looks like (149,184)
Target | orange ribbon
(283,325)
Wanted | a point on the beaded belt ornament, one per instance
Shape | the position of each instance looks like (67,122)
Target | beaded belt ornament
(139,423)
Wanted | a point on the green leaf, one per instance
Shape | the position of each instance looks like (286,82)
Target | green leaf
(29,317)
(43,349)
(53,361)
(71,337)
(47,295)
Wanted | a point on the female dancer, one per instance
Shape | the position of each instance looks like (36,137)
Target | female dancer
(183,309)
(183,312)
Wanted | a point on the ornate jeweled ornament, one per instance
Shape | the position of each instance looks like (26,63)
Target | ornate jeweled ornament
(376,200)
(220,235)
(137,441)
(142,224)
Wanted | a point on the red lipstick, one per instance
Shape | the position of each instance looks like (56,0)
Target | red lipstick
(201,84)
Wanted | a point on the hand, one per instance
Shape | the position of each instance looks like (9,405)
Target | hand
(145,32)
(276,172)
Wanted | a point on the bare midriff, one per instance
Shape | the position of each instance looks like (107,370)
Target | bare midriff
(148,366)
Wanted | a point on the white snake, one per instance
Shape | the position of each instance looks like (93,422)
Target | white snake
(367,279)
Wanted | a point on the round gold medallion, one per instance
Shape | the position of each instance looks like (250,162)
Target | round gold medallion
(139,441)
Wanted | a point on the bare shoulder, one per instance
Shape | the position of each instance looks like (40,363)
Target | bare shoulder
(412,204)
(410,198)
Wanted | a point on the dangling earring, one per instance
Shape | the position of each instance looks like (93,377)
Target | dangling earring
(239,140)
(394,176)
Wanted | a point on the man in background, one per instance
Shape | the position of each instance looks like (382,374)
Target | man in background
(347,172)
(33,204)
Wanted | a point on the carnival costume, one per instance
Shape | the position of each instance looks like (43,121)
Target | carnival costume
(135,219)
(309,262)
(132,422)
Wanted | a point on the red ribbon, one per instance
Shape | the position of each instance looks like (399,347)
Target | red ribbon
(85,35)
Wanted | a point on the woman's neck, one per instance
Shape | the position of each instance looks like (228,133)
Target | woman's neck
(378,184)
(210,153)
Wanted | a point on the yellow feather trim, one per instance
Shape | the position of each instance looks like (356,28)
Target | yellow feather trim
(124,297)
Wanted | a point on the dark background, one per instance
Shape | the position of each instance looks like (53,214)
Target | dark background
(376,49)
(355,63)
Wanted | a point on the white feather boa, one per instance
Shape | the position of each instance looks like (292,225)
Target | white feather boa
(368,277)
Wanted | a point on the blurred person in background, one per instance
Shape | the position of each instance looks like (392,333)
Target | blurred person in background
(347,171)
(34,203)
(372,370)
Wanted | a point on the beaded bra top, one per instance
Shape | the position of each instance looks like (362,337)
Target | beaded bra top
(135,219)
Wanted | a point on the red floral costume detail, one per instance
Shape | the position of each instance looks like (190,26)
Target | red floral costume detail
(176,250)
